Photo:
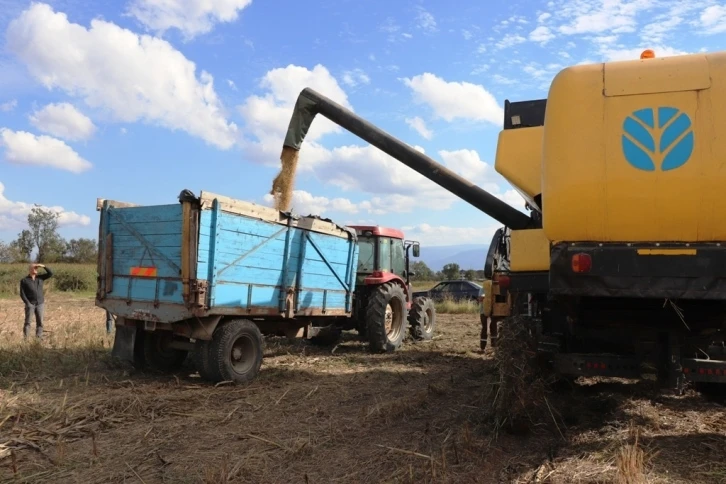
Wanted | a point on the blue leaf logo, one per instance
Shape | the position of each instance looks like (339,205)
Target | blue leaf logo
(665,143)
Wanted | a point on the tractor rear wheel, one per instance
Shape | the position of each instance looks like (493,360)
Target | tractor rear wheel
(386,318)
(422,319)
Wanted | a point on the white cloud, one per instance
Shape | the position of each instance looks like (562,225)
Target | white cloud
(510,40)
(541,34)
(353,168)
(588,17)
(619,53)
(468,164)
(306,203)
(544,16)
(191,17)
(452,100)
(14,215)
(231,84)
(713,19)
(63,121)
(354,77)
(6,107)
(132,77)
(466,34)
(425,20)
(481,49)
(419,125)
(437,235)
(25,148)
(267,116)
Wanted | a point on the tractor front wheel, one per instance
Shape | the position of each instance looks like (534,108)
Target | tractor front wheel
(422,319)
(386,318)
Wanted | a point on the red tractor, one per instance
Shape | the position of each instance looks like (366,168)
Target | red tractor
(383,308)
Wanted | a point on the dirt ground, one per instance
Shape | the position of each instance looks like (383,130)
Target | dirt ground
(68,413)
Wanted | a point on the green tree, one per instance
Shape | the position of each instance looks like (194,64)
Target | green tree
(422,271)
(43,224)
(470,275)
(82,251)
(22,247)
(451,271)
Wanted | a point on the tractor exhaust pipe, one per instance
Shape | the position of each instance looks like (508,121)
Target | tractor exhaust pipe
(310,103)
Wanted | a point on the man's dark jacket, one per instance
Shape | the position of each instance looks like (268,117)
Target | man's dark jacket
(31,291)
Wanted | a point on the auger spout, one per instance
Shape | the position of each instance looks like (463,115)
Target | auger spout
(310,103)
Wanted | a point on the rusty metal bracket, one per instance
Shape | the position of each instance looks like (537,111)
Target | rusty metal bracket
(199,292)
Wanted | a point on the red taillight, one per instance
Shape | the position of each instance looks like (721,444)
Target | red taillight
(378,274)
(503,281)
(581,263)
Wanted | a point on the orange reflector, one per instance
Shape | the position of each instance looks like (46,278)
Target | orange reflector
(647,54)
(581,263)
(143,271)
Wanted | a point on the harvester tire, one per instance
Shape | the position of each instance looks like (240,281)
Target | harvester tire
(386,318)
(422,319)
(236,350)
(158,355)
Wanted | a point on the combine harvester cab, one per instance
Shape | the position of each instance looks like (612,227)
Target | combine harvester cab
(210,275)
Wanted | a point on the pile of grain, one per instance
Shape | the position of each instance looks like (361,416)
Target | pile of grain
(283,183)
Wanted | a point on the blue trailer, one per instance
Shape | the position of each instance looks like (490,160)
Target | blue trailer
(209,275)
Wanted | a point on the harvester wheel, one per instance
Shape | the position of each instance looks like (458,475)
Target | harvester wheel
(386,318)
(235,352)
(157,353)
(422,318)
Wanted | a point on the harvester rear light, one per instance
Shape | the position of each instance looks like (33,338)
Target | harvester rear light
(377,274)
(503,281)
(581,263)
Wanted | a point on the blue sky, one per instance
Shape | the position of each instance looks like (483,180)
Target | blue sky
(135,100)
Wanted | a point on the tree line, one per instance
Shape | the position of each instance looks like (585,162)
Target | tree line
(448,272)
(42,238)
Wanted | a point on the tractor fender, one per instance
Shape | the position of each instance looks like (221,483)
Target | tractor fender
(389,277)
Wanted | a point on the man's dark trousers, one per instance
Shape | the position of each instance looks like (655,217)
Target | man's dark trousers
(36,309)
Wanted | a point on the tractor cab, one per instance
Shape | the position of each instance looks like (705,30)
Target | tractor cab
(383,250)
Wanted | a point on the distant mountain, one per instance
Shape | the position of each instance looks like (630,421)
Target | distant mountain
(468,256)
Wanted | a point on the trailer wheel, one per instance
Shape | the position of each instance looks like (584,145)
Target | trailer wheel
(202,361)
(235,352)
(422,319)
(386,318)
(157,353)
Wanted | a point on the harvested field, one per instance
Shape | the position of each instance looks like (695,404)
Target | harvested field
(423,414)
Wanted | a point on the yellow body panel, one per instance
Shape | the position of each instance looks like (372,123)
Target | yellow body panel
(519,159)
(488,298)
(529,251)
(600,184)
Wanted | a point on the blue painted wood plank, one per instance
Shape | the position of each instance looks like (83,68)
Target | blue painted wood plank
(124,239)
(153,213)
(146,228)
(144,289)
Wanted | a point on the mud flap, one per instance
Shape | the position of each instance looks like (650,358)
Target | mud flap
(124,342)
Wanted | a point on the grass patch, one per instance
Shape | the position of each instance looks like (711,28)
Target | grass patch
(449,306)
(76,278)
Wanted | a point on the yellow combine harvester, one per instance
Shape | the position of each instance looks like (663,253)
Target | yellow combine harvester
(620,267)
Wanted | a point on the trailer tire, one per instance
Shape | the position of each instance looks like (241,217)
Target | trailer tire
(422,319)
(235,352)
(202,360)
(380,339)
(157,354)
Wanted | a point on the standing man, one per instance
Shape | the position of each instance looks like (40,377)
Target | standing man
(31,292)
